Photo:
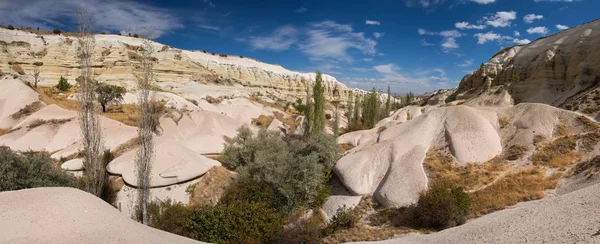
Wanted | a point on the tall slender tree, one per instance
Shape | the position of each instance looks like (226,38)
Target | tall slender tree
(318,125)
(308,112)
(336,119)
(350,112)
(89,120)
(145,151)
(388,103)
(357,106)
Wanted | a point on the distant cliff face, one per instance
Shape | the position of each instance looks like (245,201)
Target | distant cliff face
(562,70)
(192,73)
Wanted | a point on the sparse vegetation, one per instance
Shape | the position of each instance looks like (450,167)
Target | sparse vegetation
(557,154)
(108,94)
(56,31)
(442,206)
(504,121)
(344,218)
(17,68)
(27,110)
(63,84)
(51,122)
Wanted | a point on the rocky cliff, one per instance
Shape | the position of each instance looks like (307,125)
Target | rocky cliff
(562,70)
(194,74)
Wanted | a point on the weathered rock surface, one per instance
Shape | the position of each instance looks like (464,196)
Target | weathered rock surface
(14,96)
(194,74)
(173,163)
(68,215)
(389,163)
(562,70)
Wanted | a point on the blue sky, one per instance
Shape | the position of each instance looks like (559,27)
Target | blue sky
(413,45)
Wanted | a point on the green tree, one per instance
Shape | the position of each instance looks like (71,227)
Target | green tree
(350,107)
(372,106)
(388,103)
(108,94)
(318,125)
(63,84)
(336,119)
(307,112)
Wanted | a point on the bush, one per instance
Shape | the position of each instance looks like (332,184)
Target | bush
(56,31)
(29,171)
(294,167)
(234,222)
(63,84)
(251,191)
(442,206)
(345,218)
(136,35)
(10,27)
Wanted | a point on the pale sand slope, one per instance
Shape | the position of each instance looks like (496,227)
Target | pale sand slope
(570,218)
(68,215)
(14,95)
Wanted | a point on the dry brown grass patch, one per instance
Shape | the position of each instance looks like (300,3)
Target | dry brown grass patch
(589,140)
(439,166)
(345,147)
(51,95)
(362,232)
(4,131)
(562,130)
(288,121)
(504,121)
(537,139)
(126,147)
(588,168)
(514,152)
(525,185)
(52,122)
(590,124)
(17,68)
(557,154)
(381,129)
(134,56)
(263,121)
(27,110)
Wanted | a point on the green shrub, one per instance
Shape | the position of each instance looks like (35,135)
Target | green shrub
(234,222)
(56,31)
(345,218)
(292,166)
(442,206)
(251,191)
(29,171)
(63,84)
(10,27)
(302,229)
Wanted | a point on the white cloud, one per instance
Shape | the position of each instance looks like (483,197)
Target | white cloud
(329,39)
(483,1)
(542,30)
(301,10)
(532,17)
(449,43)
(372,22)
(423,3)
(386,69)
(467,25)
(467,63)
(501,19)
(367,59)
(113,15)
(208,27)
(516,33)
(450,33)
(521,41)
(562,27)
(377,35)
(483,38)
(279,40)
(426,44)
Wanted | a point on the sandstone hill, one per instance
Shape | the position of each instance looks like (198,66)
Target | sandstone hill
(562,70)
(193,74)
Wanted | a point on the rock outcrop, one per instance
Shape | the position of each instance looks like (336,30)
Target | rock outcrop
(193,74)
(562,70)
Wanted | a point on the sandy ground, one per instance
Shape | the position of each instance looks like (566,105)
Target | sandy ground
(68,215)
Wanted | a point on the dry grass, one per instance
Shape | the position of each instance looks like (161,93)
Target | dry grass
(345,147)
(130,115)
(525,185)
(439,166)
(537,139)
(590,124)
(126,147)
(589,140)
(408,116)
(362,232)
(211,186)
(27,110)
(263,121)
(134,56)
(381,129)
(557,154)
(267,104)
(53,122)
(4,131)
(504,121)
(213,100)
(288,121)
(514,152)
(589,168)
(562,130)
(17,68)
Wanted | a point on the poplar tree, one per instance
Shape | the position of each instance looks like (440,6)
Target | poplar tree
(388,103)
(318,119)
(350,112)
